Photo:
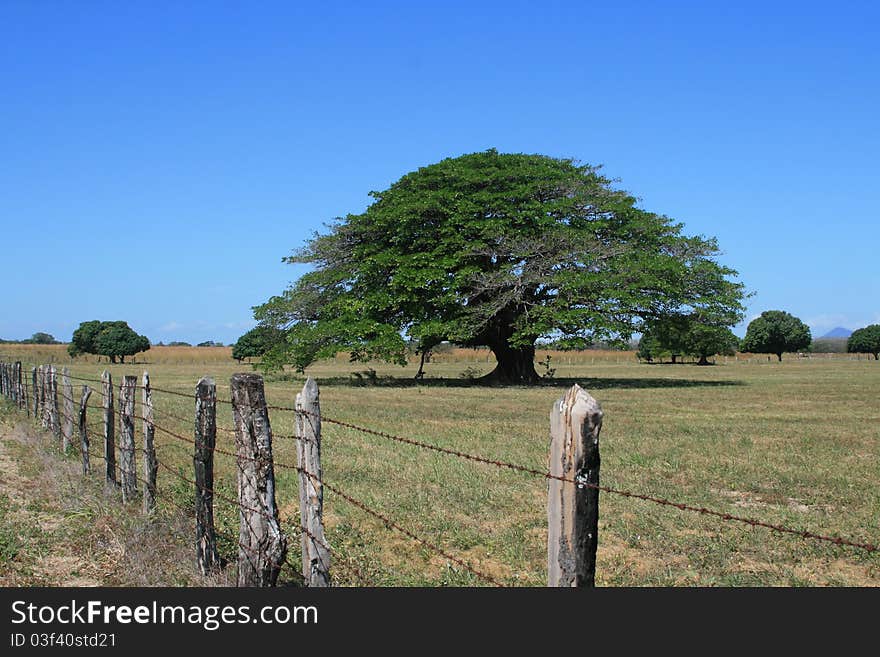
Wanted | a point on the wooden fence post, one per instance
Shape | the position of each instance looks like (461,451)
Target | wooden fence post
(44,420)
(67,396)
(109,435)
(52,388)
(34,387)
(573,508)
(19,394)
(262,546)
(203,461)
(315,555)
(84,429)
(151,465)
(127,466)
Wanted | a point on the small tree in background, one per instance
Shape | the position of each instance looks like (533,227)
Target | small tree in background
(665,337)
(688,336)
(865,341)
(776,332)
(256,342)
(703,341)
(111,339)
(41,338)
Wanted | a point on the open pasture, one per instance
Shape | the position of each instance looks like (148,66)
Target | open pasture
(796,443)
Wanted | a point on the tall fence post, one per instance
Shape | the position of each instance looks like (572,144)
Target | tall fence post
(151,465)
(19,394)
(315,555)
(54,422)
(84,429)
(109,435)
(34,388)
(203,461)
(573,508)
(262,546)
(127,466)
(44,419)
(67,396)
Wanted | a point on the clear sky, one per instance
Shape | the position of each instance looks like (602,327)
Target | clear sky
(160,158)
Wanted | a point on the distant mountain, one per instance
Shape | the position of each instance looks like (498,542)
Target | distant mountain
(838,332)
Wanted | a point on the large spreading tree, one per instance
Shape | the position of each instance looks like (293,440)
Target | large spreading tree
(776,332)
(494,250)
(865,341)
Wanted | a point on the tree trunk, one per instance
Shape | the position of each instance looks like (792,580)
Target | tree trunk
(779,356)
(877,356)
(122,359)
(516,365)
(113,359)
(703,360)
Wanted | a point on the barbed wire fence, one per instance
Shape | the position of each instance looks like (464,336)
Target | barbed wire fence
(262,543)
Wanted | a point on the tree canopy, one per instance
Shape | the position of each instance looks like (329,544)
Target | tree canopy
(111,339)
(256,342)
(776,332)
(496,250)
(865,341)
(685,336)
(41,338)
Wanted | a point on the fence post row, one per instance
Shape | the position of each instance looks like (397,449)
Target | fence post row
(262,546)
(315,555)
(207,557)
(109,436)
(84,429)
(151,465)
(67,396)
(127,468)
(573,508)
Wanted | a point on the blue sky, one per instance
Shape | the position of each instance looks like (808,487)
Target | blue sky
(159,159)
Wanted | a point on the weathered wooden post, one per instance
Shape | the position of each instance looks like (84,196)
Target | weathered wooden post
(67,396)
(573,508)
(84,429)
(151,465)
(203,462)
(262,546)
(127,467)
(19,394)
(36,396)
(315,555)
(109,435)
(52,388)
(44,419)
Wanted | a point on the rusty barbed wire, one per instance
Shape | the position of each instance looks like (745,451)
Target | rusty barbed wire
(837,540)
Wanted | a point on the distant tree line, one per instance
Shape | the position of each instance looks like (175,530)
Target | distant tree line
(36,338)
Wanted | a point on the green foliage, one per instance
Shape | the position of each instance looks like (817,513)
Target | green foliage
(111,339)
(865,341)
(685,336)
(497,250)
(178,343)
(256,342)
(209,343)
(41,338)
(776,332)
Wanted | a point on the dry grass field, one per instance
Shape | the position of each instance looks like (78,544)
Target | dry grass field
(796,443)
